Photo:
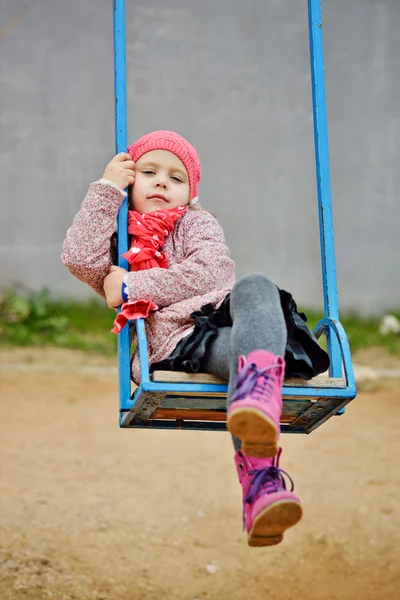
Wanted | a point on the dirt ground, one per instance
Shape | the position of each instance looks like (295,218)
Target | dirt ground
(89,511)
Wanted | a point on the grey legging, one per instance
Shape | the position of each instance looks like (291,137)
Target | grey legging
(258,323)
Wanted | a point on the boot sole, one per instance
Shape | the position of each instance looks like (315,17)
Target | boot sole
(258,433)
(269,526)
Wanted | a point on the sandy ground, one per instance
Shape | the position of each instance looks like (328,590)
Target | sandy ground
(89,511)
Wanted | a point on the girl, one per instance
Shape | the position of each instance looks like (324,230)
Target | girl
(201,320)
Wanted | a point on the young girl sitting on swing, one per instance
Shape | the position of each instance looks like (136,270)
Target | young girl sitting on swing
(182,280)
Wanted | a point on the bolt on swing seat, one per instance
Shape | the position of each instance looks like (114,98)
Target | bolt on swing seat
(197,401)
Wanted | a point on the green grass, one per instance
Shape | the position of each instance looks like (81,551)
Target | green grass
(362,332)
(38,320)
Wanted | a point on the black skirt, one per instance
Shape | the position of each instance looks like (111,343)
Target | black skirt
(304,356)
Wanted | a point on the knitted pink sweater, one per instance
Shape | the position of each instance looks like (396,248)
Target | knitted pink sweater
(200,268)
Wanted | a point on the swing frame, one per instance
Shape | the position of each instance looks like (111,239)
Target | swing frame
(172,400)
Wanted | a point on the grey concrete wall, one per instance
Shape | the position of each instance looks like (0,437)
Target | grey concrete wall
(234,78)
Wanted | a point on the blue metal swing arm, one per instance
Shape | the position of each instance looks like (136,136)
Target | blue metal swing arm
(124,369)
(327,245)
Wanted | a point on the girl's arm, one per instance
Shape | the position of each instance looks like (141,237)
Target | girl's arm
(207,266)
(88,250)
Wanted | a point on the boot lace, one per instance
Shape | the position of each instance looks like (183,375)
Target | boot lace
(254,381)
(268,480)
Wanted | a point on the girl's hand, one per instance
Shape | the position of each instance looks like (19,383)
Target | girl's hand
(121,170)
(112,286)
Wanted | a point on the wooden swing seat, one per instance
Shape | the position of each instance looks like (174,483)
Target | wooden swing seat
(212,407)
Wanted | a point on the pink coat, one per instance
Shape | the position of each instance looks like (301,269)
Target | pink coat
(200,271)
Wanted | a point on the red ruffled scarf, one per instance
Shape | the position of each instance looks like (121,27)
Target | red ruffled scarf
(148,232)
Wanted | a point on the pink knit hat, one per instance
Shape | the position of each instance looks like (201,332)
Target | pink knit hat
(175,143)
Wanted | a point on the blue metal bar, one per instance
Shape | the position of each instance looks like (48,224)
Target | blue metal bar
(200,389)
(143,353)
(341,338)
(180,425)
(120,146)
(336,328)
(329,283)
(198,426)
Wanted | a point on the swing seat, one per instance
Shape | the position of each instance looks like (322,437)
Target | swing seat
(197,401)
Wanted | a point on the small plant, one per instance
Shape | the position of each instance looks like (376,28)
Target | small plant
(25,320)
(38,320)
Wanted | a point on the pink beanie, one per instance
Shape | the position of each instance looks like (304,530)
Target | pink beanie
(175,143)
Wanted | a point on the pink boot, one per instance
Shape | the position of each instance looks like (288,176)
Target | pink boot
(268,507)
(255,411)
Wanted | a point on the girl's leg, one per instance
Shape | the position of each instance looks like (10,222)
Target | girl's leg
(259,334)
(258,323)
(258,343)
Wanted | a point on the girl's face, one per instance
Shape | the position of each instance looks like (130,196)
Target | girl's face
(161,182)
